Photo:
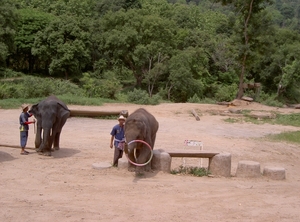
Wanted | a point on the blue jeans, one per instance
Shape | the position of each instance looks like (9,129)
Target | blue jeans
(23,138)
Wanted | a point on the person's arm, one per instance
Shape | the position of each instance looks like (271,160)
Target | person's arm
(24,122)
(29,122)
(112,141)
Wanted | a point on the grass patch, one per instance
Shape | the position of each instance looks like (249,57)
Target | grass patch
(292,137)
(68,99)
(232,120)
(281,119)
(195,171)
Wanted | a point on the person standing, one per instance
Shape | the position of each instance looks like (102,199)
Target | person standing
(117,140)
(24,127)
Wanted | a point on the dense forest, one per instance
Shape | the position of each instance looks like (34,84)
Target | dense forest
(176,50)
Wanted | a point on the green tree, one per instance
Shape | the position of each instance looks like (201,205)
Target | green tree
(187,72)
(8,19)
(65,44)
(30,23)
(246,13)
(133,39)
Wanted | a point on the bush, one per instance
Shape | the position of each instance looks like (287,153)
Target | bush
(32,87)
(195,171)
(269,100)
(194,99)
(8,73)
(226,92)
(104,88)
(139,96)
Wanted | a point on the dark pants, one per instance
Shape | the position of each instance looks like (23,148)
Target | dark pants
(117,155)
(23,138)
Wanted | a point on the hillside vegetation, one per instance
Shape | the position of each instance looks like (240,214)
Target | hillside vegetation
(149,50)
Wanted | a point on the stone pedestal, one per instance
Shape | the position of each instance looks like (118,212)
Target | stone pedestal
(101,165)
(161,161)
(274,173)
(220,165)
(249,169)
(123,163)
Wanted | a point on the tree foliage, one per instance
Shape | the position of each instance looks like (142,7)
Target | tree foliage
(180,49)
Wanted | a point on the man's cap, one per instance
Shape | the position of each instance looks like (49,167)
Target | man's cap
(24,106)
(121,117)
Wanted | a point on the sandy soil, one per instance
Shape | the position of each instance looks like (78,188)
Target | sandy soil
(65,187)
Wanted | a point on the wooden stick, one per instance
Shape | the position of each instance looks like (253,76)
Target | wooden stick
(196,115)
(15,146)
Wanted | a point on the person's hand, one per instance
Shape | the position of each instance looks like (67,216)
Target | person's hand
(33,120)
(111,146)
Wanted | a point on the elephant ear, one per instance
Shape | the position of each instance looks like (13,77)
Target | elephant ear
(63,105)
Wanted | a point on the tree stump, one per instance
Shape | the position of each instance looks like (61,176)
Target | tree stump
(161,161)
(249,169)
(220,165)
(274,173)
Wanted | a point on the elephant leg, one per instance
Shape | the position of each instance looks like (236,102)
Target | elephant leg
(56,141)
(38,135)
(143,157)
(131,167)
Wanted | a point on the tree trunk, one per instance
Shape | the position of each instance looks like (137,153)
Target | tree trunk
(246,37)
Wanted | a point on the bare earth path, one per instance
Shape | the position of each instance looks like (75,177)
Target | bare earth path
(65,187)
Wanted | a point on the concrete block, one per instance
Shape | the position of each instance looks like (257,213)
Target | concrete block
(220,165)
(161,161)
(274,173)
(249,169)
(123,163)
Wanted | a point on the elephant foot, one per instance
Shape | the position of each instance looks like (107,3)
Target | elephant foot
(139,173)
(56,148)
(40,152)
(47,153)
(52,149)
(147,168)
(131,168)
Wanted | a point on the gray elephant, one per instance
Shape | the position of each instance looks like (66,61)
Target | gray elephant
(140,125)
(51,115)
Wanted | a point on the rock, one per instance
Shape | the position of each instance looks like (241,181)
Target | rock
(101,165)
(249,169)
(221,165)
(232,110)
(238,102)
(246,98)
(274,173)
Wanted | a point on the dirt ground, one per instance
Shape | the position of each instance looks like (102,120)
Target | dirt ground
(65,187)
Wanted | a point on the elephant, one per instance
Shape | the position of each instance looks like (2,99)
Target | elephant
(140,125)
(51,115)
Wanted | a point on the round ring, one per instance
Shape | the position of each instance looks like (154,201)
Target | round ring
(140,164)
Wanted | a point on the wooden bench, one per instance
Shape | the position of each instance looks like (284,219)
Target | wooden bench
(193,154)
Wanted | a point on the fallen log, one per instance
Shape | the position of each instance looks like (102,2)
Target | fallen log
(195,115)
(262,115)
(88,113)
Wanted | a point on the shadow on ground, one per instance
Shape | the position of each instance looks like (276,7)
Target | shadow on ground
(4,156)
(65,152)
